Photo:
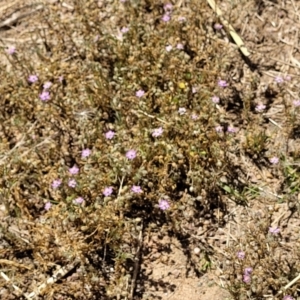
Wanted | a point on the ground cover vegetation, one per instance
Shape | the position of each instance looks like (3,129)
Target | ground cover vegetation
(122,120)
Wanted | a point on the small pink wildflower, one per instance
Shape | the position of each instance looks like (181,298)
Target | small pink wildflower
(74,170)
(163,204)
(166,18)
(246,278)
(48,205)
(260,107)
(194,117)
(11,50)
(181,111)
(124,29)
(181,19)
(33,78)
(241,254)
(222,83)
(169,48)
(296,103)
(56,183)
(131,154)
(287,78)
(136,189)
(194,90)
(168,7)
(72,183)
(248,271)
(274,160)
(219,129)
(60,79)
(179,46)
(140,93)
(108,191)
(279,79)
(47,85)
(215,99)
(274,230)
(85,153)
(157,132)
(231,129)
(288,297)
(110,134)
(218,26)
(44,96)
(78,200)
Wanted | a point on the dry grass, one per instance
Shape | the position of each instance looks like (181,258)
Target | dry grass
(208,160)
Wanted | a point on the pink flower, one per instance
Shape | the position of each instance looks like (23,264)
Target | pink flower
(45,96)
(168,7)
(181,19)
(222,83)
(218,26)
(248,271)
(246,278)
(274,160)
(215,99)
(288,297)
(219,129)
(74,170)
(78,200)
(56,183)
(47,85)
(194,117)
(296,103)
(124,29)
(194,90)
(179,46)
(85,153)
(163,204)
(274,230)
(108,191)
(72,183)
(47,205)
(110,134)
(157,132)
(231,129)
(169,48)
(241,254)
(11,50)
(260,107)
(279,79)
(33,78)
(140,93)
(60,79)
(131,154)
(166,18)
(181,111)
(136,189)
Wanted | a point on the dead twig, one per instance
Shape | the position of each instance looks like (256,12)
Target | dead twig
(136,264)
(232,32)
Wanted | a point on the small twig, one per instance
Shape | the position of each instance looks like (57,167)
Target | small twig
(56,276)
(14,286)
(276,124)
(150,116)
(136,263)
(232,32)
(15,264)
(288,285)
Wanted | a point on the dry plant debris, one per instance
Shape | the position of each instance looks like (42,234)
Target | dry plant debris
(138,136)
